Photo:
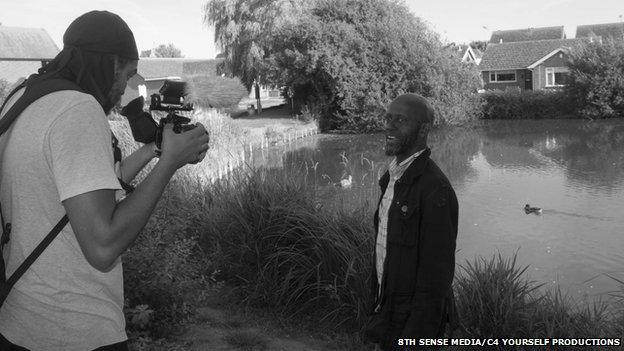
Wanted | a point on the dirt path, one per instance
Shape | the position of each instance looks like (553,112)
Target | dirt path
(217,330)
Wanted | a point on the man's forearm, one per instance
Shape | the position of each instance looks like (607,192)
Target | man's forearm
(131,214)
(133,164)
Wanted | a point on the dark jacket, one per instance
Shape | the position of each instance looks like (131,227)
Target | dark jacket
(420,250)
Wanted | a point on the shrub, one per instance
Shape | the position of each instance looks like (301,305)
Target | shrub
(215,91)
(540,104)
(596,81)
(354,57)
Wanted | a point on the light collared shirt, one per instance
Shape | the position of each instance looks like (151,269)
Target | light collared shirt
(396,171)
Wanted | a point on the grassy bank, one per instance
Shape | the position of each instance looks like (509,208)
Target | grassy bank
(267,235)
(285,255)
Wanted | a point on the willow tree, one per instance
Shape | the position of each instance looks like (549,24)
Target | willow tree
(242,32)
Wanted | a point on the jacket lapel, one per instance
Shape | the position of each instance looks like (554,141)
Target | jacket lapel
(416,168)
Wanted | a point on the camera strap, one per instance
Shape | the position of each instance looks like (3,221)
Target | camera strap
(31,93)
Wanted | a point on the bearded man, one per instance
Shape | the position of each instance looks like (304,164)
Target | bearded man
(416,230)
(59,158)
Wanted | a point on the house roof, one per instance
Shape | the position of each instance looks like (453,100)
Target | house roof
(155,68)
(12,71)
(522,54)
(17,43)
(604,30)
(527,34)
(478,53)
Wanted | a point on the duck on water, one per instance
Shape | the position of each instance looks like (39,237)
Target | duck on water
(528,209)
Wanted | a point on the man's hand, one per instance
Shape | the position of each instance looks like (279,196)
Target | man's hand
(179,149)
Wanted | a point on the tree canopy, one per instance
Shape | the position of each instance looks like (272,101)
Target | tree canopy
(596,79)
(242,30)
(344,60)
(168,50)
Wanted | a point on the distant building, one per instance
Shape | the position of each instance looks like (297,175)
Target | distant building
(23,51)
(152,73)
(602,31)
(527,34)
(465,53)
(527,65)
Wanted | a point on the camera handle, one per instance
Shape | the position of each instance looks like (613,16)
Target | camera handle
(180,125)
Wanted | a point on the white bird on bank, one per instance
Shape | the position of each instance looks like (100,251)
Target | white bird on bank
(346,183)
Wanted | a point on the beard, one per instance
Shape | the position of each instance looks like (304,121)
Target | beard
(400,145)
(113,99)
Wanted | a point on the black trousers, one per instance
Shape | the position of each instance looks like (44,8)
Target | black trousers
(6,345)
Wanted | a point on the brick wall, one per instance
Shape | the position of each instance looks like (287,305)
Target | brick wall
(539,73)
(519,83)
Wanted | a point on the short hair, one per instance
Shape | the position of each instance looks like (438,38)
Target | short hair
(418,104)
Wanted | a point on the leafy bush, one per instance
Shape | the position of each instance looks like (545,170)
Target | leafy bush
(596,81)
(353,57)
(215,91)
(539,104)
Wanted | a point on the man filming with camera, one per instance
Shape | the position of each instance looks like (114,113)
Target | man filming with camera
(57,158)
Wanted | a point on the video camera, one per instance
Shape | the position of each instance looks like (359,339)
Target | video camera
(170,98)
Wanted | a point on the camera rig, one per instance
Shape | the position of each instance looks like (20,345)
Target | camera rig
(170,98)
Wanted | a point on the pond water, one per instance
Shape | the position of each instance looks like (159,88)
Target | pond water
(573,169)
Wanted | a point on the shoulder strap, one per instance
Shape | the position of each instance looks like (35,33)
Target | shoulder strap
(31,94)
(8,285)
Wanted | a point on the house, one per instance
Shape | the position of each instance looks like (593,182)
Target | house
(527,65)
(152,73)
(527,34)
(602,31)
(23,51)
(466,53)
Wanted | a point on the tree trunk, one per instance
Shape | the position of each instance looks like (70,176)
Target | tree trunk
(258,103)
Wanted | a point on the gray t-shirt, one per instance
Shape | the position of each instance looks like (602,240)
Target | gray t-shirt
(58,148)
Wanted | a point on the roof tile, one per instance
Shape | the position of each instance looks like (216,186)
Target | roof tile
(604,30)
(518,55)
(527,34)
(26,43)
(150,68)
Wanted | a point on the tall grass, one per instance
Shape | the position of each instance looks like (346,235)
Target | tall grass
(496,299)
(271,239)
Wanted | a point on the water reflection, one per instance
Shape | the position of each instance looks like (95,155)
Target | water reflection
(589,152)
(573,169)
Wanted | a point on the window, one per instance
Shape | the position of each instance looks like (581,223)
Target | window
(502,77)
(556,76)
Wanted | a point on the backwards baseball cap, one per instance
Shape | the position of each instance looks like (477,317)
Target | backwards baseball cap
(102,32)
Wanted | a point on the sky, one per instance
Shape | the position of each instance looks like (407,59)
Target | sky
(157,22)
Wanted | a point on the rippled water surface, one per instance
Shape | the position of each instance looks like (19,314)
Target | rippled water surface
(574,170)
